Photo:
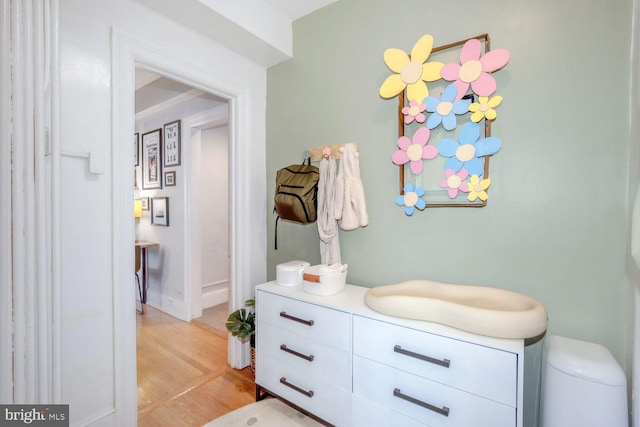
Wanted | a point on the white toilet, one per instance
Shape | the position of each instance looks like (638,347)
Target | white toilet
(582,385)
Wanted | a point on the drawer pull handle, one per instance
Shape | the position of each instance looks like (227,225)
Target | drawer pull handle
(310,357)
(443,362)
(284,381)
(296,319)
(442,411)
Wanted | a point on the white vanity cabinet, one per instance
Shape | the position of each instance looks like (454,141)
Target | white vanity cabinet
(368,369)
(438,380)
(303,354)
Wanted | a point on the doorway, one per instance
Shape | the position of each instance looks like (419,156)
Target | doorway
(243,85)
(168,341)
(190,269)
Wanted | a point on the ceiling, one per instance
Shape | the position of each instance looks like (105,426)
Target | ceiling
(152,89)
(295,9)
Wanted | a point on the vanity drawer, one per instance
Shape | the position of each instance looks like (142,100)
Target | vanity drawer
(317,323)
(430,402)
(480,370)
(329,363)
(366,413)
(326,401)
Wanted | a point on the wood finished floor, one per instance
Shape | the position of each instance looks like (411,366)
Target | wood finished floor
(215,317)
(183,376)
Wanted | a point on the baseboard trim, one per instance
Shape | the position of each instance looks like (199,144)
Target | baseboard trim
(172,306)
(216,297)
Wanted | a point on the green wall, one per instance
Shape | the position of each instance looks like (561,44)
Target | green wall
(555,224)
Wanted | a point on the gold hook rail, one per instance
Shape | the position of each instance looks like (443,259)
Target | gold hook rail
(317,153)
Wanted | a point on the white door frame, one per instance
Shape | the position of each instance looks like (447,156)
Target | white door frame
(129,52)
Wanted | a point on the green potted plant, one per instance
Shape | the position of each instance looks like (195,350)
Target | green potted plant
(241,324)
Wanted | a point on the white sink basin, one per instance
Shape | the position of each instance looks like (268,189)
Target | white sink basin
(478,309)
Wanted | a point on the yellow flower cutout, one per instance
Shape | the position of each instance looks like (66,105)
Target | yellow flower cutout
(412,72)
(484,108)
(478,189)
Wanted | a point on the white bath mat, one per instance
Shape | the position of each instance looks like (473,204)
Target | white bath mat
(265,413)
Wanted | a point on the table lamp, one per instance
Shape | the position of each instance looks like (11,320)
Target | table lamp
(137,209)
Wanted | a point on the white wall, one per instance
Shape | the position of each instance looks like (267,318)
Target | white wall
(214,225)
(94,380)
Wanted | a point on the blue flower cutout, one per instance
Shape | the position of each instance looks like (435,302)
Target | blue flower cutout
(468,152)
(411,199)
(445,109)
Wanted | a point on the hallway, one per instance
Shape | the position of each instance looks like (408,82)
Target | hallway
(183,375)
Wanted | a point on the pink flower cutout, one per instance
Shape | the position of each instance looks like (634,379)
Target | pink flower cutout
(415,151)
(475,70)
(414,112)
(455,181)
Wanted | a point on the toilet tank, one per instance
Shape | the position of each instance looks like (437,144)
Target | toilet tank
(582,385)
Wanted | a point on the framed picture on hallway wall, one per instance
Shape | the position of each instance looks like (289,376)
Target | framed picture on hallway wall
(172,144)
(170,179)
(152,159)
(160,211)
(136,149)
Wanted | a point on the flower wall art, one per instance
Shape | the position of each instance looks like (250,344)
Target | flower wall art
(447,102)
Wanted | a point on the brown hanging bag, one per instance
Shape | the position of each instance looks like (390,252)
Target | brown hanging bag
(296,194)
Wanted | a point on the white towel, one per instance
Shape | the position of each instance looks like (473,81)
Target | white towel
(327,224)
(350,206)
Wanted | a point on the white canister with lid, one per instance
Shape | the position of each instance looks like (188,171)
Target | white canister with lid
(290,273)
(325,279)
